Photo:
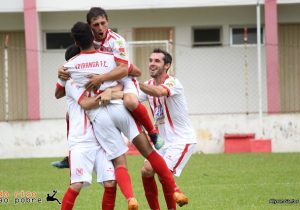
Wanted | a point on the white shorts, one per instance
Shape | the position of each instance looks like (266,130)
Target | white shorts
(110,121)
(104,168)
(176,156)
(84,160)
(130,85)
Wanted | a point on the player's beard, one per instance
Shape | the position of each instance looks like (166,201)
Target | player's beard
(156,72)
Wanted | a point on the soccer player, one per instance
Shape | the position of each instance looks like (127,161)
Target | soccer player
(85,152)
(108,121)
(71,51)
(165,95)
(108,41)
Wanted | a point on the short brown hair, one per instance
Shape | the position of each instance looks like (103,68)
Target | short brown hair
(95,12)
(167,56)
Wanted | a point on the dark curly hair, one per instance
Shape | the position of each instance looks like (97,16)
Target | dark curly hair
(82,35)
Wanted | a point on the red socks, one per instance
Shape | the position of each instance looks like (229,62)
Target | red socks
(108,201)
(109,198)
(160,167)
(171,204)
(124,181)
(151,192)
(140,114)
(69,199)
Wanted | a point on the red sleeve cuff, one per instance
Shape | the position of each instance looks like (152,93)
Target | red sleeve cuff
(59,86)
(130,68)
(121,60)
(166,89)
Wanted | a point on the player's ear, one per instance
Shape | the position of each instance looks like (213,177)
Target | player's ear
(167,66)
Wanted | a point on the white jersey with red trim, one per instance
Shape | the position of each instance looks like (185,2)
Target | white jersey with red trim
(113,43)
(81,134)
(170,113)
(116,44)
(87,63)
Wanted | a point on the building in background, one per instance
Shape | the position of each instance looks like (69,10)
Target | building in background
(216,64)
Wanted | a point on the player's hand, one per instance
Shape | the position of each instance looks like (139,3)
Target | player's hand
(63,74)
(105,97)
(95,80)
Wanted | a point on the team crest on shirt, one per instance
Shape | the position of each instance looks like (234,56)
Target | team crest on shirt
(121,43)
(170,83)
(121,49)
(79,171)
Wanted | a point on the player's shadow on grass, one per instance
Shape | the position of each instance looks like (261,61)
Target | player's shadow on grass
(51,198)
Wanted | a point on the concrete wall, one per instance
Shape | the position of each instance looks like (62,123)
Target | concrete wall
(282,129)
(47,138)
(12,6)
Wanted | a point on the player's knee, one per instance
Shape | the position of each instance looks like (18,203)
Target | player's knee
(77,186)
(120,161)
(147,171)
(130,101)
(110,183)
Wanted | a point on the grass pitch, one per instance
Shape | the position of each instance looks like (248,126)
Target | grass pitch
(212,182)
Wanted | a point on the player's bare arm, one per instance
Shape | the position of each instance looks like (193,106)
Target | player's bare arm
(152,90)
(88,103)
(134,71)
(116,74)
(105,97)
(109,94)
(63,74)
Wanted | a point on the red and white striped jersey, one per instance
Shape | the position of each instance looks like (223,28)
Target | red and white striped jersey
(115,44)
(170,113)
(81,134)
